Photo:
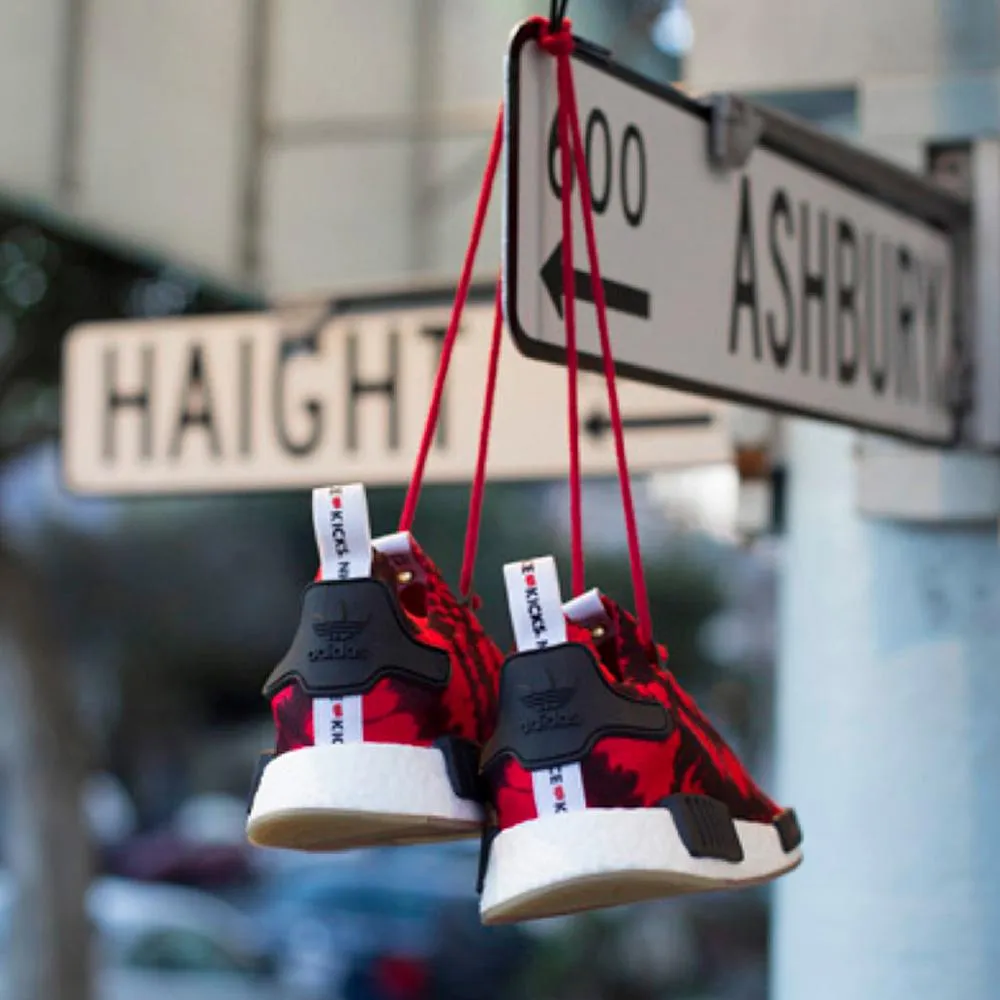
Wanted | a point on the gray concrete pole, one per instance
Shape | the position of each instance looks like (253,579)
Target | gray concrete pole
(888,745)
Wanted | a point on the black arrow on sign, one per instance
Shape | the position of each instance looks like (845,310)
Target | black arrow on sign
(597,424)
(621,298)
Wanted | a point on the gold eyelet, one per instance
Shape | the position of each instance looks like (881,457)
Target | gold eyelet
(598,632)
(405,576)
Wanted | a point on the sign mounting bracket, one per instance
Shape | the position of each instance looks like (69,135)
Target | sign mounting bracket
(735,130)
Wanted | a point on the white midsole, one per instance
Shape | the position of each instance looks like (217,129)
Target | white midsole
(376,778)
(556,850)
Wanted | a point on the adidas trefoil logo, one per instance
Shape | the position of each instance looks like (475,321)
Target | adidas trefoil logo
(550,706)
(338,635)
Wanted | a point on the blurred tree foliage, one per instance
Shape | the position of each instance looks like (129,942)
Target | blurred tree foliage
(51,278)
(54,275)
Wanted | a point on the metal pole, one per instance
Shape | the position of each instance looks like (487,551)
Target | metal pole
(255,144)
(888,745)
(426,97)
(72,77)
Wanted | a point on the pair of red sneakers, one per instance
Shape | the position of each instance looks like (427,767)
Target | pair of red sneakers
(593,779)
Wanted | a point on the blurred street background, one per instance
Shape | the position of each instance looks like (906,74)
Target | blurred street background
(182,157)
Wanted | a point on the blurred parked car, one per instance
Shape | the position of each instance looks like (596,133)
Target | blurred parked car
(205,847)
(158,941)
(385,924)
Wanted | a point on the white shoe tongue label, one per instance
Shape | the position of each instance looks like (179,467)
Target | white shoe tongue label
(337,720)
(536,614)
(558,790)
(343,533)
(535,603)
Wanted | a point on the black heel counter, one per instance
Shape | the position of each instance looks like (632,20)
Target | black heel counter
(351,634)
(556,703)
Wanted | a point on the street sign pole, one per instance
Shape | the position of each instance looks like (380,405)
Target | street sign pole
(888,724)
(888,704)
(744,255)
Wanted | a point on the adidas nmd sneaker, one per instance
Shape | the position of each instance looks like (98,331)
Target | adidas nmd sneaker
(382,703)
(609,785)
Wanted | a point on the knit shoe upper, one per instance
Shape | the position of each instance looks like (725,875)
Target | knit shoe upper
(608,784)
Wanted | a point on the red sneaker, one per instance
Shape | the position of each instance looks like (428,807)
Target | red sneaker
(381,704)
(609,785)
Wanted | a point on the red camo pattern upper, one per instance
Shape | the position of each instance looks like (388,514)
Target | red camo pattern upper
(400,711)
(634,773)
(442,620)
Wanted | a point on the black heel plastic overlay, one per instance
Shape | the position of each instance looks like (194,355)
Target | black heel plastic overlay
(489,834)
(555,704)
(705,826)
(461,760)
(258,772)
(352,634)
(789,831)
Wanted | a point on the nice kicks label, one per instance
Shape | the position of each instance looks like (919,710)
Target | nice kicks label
(536,615)
(343,534)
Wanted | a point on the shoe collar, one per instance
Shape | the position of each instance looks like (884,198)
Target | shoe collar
(404,555)
(589,611)
(614,633)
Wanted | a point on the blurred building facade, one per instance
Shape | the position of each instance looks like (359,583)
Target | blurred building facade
(915,69)
(287,147)
(296,147)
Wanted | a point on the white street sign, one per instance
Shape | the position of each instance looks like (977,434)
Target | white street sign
(777,283)
(250,402)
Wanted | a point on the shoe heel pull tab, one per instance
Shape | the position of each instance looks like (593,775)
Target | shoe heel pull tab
(343,532)
(535,603)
